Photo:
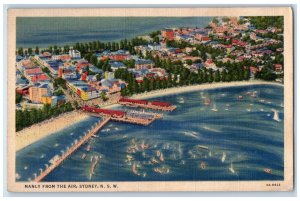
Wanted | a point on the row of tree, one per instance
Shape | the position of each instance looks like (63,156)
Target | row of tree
(179,76)
(26,118)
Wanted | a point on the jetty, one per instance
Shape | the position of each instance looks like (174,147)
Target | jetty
(154,105)
(132,117)
(57,160)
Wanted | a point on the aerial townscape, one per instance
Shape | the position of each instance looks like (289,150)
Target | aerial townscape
(92,77)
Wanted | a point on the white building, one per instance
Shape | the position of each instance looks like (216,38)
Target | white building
(75,54)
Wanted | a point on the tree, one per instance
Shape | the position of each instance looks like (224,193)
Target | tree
(217,76)
(37,51)
(104,96)
(18,97)
(30,51)
(189,62)
(98,77)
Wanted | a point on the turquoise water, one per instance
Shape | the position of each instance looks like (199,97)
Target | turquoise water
(45,31)
(238,132)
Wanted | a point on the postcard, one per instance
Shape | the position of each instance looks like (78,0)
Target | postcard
(150,99)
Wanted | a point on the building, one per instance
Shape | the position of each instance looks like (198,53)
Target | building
(37,91)
(154,46)
(143,63)
(115,65)
(74,54)
(168,34)
(83,90)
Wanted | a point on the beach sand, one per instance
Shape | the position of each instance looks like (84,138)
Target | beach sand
(38,131)
(177,90)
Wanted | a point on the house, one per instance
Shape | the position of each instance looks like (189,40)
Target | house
(154,46)
(74,54)
(253,71)
(168,34)
(278,67)
(115,65)
(143,63)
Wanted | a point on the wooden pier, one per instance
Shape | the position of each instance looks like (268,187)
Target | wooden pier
(126,119)
(83,140)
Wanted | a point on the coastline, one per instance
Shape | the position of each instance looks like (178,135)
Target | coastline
(34,133)
(183,89)
(43,129)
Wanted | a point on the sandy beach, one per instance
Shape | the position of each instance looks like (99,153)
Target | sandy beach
(177,90)
(38,131)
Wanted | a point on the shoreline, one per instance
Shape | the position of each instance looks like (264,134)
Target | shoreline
(191,88)
(36,132)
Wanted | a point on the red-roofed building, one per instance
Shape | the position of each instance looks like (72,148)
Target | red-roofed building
(168,34)
(277,67)
(39,78)
(32,71)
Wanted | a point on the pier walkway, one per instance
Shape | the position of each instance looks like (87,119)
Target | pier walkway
(60,159)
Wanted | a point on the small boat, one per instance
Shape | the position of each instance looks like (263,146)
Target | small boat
(135,170)
(231,169)
(214,108)
(202,147)
(158,153)
(129,157)
(161,158)
(153,160)
(240,97)
(268,171)
(88,148)
(54,159)
(162,170)
(83,156)
(223,157)
(202,165)
(207,101)
(276,115)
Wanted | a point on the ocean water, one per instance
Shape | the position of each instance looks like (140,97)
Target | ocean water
(46,31)
(241,135)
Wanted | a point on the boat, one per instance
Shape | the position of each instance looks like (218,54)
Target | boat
(161,158)
(54,159)
(207,101)
(158,153)
(88,148)
(135,170)
(129,157)
(93,165)
(83,156)
(231,169)
(162,170)
(223,157)
(202,165)
(276,115)
(268,170)
(153,160)
(181,100)
(240,97)
(202,147)
(214,108)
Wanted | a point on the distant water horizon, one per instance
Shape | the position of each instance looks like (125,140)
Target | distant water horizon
(46,31)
